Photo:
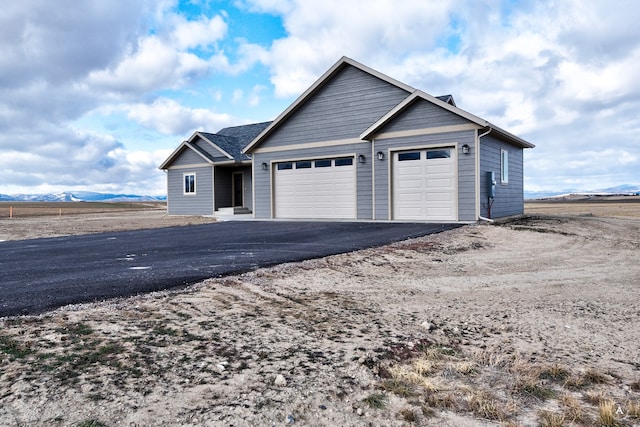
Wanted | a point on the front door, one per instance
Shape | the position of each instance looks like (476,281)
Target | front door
(238,184)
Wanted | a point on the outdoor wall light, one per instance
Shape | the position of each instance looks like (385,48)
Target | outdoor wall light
(465,149)
(264,166)
(380,155)
(361,158)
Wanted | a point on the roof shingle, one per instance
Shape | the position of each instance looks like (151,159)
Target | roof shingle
(233,139)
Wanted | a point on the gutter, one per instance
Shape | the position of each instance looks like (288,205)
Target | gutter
(486,133)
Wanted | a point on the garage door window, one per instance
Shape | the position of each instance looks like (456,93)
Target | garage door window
(285,166)
(347,161)
(414,155)
(303,165)
(323,163)
(438,154)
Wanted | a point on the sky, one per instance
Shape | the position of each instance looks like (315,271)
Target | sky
(95,94)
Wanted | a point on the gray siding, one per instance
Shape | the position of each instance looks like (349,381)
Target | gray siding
(188,157)
(509,198)
(248,188)
(346,106)
(423,114)
(466,169)
(262,177)
(215,154)
(200,203)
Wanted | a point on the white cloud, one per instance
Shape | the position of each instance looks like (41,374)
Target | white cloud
(168,117)
(254,97)
(238,94)
(560,74)
(321,32)
(166,60)
(202,33)
(63,61)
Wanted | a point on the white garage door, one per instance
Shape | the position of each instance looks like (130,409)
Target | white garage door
(424,185)
(324,189)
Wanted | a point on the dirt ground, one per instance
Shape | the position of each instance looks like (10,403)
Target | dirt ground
(33,226)
(529,322)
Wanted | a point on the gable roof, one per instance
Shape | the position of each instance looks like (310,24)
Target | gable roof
(325,78)
(233,139)
(447,98)
(449,106)
(228,141)
(444,101)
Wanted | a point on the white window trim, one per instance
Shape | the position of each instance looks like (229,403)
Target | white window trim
(504,167)
(184,187)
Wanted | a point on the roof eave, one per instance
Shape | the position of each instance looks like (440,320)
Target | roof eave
(413,97)
(172,156)
(509,137)
(418,94)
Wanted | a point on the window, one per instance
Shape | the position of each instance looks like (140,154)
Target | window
(189,183)
(303,165)
(439,154)
(284,166)
(414,155)
(323,163)
(345,161)
(504,166)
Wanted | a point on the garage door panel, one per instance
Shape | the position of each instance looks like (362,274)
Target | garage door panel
(437,184)
(315,192)
(424,188)
(439,197)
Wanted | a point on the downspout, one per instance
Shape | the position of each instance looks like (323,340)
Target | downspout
(480,217)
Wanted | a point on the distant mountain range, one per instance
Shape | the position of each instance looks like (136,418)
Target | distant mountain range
(80,196)
(89,196)
(625,189)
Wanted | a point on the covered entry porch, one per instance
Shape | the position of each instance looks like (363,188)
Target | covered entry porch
(232,190)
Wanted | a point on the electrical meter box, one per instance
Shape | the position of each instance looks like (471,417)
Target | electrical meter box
(491,184)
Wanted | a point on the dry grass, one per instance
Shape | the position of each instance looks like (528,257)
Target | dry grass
(633,409)
(31,209)
(485,405)
(551,419)
(627,206)
(607,413)
(498,387)
(573,410)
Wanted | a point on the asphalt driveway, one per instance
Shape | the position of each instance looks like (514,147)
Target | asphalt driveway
(42,274)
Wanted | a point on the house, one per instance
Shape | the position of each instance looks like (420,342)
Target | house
(356,145)
(209,172)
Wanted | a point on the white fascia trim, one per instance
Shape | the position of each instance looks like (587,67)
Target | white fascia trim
(314,87)
(427,131)
(177,151)
(418,94)
(310,145)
